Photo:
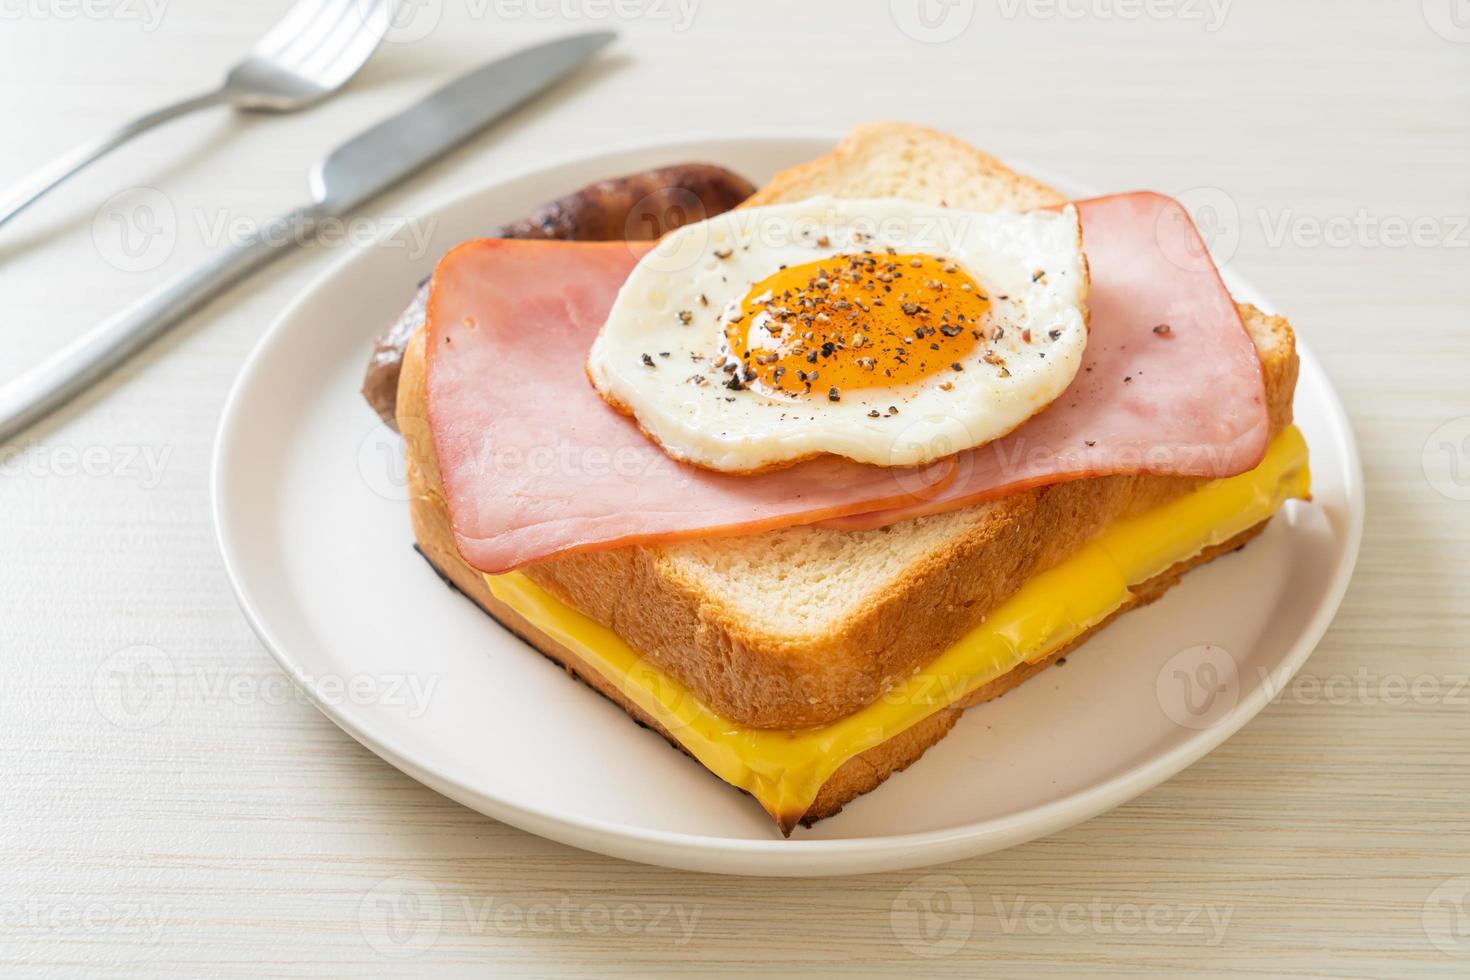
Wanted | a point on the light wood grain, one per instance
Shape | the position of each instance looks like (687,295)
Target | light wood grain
(245,835)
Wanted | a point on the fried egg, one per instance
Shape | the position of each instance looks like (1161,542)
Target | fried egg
(881,330)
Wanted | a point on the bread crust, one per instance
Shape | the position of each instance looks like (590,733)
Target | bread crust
(879,146)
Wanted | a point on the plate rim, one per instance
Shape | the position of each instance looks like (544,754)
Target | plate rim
(799,857)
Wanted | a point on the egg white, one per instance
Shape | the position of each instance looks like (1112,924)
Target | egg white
(666,327)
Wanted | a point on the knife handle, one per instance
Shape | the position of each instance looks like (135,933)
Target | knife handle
(64,375)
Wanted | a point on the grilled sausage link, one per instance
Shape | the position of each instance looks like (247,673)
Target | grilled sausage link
(638,207)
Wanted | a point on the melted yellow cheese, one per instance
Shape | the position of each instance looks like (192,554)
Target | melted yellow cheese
(784,770)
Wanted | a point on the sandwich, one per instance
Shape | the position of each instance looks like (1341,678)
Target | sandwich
(805,478)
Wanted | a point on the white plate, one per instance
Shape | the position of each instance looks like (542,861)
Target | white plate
(309,507)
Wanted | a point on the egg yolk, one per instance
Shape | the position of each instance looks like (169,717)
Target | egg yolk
(852,322)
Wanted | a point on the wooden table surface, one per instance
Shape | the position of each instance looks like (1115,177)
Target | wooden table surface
(1327,144)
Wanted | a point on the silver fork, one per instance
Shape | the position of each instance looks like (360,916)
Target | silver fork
(313,51)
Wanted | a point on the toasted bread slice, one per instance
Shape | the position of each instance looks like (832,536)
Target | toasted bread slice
(891,159)
(804,626)
(858,775)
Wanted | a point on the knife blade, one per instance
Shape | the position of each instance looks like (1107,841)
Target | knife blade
(356,171)
(380,157)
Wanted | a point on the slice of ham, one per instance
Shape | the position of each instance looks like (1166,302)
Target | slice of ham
(534,462)
(1170,384)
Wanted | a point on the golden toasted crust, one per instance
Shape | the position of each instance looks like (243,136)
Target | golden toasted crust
(897,159)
